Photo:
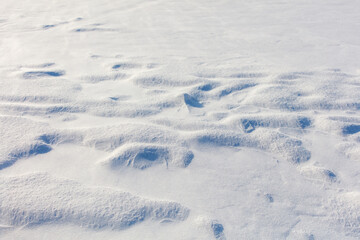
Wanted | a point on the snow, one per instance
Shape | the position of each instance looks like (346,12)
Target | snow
(56,200)
(179,119)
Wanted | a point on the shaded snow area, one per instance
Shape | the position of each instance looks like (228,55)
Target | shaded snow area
(179,119)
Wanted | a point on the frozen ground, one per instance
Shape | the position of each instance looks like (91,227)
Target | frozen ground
(180,119)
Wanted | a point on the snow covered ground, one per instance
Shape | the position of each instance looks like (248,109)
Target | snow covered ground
(166,119)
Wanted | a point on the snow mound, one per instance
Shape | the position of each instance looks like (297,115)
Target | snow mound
(287,147)
(319,175)
(36,199)
(19,140)
(146,155)
(345,210)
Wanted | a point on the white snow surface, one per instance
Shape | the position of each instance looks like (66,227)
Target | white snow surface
(168,119)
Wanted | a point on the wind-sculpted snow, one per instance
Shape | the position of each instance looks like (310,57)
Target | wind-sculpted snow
(96,78)
(19,140)
(24,152)
(285,146)
(36,199)
(246,112)
(133,145)
(320,91)
(163,81)
(345,212)
(230,111)
(288,148)
(318,174)
(144,155)
(250,123)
